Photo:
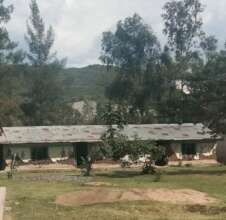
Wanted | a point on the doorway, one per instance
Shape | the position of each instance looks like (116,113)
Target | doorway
(189,150)
(81,152)
(2,159)
(39,153)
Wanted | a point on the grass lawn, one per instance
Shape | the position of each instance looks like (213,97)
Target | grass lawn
(32,198)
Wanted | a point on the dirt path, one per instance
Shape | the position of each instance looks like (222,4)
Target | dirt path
(106,195)
(2,201)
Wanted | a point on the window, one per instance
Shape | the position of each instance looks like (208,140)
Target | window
(39,153)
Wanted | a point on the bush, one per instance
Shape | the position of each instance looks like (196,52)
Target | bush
(221,152)
(86,166)
(163,161)
(148,168)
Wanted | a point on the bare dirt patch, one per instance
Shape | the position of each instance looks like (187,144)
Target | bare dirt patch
(98,184)
(41,167)
(106,195)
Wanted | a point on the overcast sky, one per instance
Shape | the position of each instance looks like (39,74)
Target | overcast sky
(78,24)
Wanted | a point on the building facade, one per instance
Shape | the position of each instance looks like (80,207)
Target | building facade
(61,143)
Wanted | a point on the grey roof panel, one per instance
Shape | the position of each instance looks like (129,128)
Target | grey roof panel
(93,133)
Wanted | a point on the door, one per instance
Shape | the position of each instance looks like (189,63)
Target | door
(2,159)
(81,152)
(189,150)
(39,153)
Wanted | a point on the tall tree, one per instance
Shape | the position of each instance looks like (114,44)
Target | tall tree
(183,28)
(183,25)
(44,103)
(39,40)
(10,57)
(208,90)
(131,49)
(8,52)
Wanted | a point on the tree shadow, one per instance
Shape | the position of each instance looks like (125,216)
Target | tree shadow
(120,174)
(177,172)
(203,171)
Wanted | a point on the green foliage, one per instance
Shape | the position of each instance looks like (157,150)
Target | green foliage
(86,83)
(8,52)
(43,96)
(18,82)
(38,39)
(132,49)
(221,151)
(86,166)
(131,46)
(209,46)
(148,169)
(209,92)
(11,95)
(182,25)
(120,145)
(114,115)
(44,103)
(11,89)
(112,138)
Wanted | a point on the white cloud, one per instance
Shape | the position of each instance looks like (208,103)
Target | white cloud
(78,24)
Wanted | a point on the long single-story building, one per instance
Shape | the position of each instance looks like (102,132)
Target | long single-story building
(58,143)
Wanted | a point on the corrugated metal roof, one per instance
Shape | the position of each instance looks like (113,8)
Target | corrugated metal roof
(93,133)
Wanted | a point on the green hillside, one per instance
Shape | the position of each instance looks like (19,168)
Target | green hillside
(88,82)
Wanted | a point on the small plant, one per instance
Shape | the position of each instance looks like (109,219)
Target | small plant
(188,165)
(95,154)
(179,163)
(157,176)
(12,166)
(125,164)
(162,161)
(86,166)
(148,168)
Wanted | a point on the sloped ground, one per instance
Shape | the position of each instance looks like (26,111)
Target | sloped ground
(107,195)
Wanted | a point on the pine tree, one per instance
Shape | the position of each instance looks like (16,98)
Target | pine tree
(39,40)
(44,101)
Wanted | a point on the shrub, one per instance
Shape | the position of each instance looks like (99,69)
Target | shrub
(162,161)
(221,152)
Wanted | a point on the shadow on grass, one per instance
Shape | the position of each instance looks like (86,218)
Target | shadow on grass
(205,210)
(176,172)
(121,174)
(203,171)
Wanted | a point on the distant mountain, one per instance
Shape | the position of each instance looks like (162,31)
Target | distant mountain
(86,83)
